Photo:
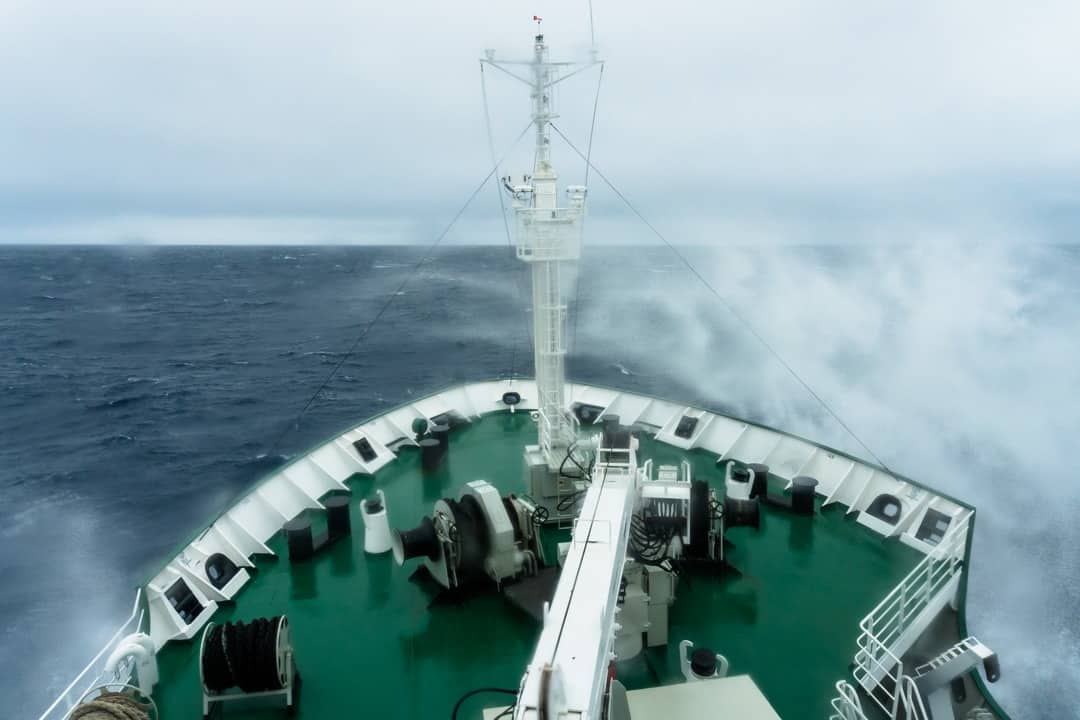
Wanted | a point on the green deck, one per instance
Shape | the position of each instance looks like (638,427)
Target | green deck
(367,644)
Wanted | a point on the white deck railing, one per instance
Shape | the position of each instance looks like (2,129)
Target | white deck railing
(889,630)
(93,675)
(846,704)
(911,706)
(907,703)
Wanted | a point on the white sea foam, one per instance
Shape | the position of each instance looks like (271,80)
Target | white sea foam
(955,363)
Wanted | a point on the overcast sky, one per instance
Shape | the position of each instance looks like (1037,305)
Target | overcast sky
(350,121)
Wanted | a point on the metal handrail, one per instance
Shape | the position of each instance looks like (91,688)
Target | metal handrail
(866,663)
(846,704)
(883,627)
(890,617)
(911,701)
(132,624)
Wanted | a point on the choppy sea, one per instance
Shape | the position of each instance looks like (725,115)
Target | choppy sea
(143,388)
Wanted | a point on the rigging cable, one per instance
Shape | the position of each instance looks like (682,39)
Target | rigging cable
(506,226)
(390,298)
(477,691)
(588,163)
(728,305)
(491,148)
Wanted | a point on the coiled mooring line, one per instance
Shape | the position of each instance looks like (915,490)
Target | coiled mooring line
(242,655)
(110,706)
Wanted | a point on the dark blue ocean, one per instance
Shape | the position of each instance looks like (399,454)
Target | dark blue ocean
(143,388)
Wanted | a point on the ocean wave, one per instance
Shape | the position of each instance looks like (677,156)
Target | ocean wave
(322,353)
(260,465)
(120,402)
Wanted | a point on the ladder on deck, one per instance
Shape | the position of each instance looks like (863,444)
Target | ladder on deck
(969,649)
(933,677)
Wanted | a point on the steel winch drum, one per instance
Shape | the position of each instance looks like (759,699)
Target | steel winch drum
(421,541)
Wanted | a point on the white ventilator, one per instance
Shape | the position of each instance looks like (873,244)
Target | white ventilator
(376,526)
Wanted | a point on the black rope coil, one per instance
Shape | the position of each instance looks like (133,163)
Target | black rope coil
(242,655)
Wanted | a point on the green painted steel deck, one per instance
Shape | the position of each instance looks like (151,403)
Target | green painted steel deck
(367,643)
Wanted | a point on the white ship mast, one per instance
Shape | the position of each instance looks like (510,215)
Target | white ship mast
(549,238)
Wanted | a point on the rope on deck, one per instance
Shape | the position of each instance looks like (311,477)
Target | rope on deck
(111,706)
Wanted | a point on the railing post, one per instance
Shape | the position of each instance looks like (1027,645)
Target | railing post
(929,581)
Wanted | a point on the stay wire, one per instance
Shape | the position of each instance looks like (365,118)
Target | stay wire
(588,164)
(730,308)
(494,160)
(428,253)
(592,125)
(506,224)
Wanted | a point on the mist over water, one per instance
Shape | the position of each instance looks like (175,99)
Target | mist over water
(144,389)
(956,364)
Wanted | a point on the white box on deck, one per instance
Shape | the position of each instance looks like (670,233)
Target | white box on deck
(736,697)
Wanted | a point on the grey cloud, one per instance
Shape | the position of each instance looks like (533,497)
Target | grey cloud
(735,112)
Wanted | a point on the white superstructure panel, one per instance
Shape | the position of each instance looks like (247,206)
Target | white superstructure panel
(575,645)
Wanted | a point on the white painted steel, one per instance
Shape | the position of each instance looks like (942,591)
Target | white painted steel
(243,530)
(846,705)
(892,627)
(569,670)
(950,664)
(66,701)
(137,649)
(549,238)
